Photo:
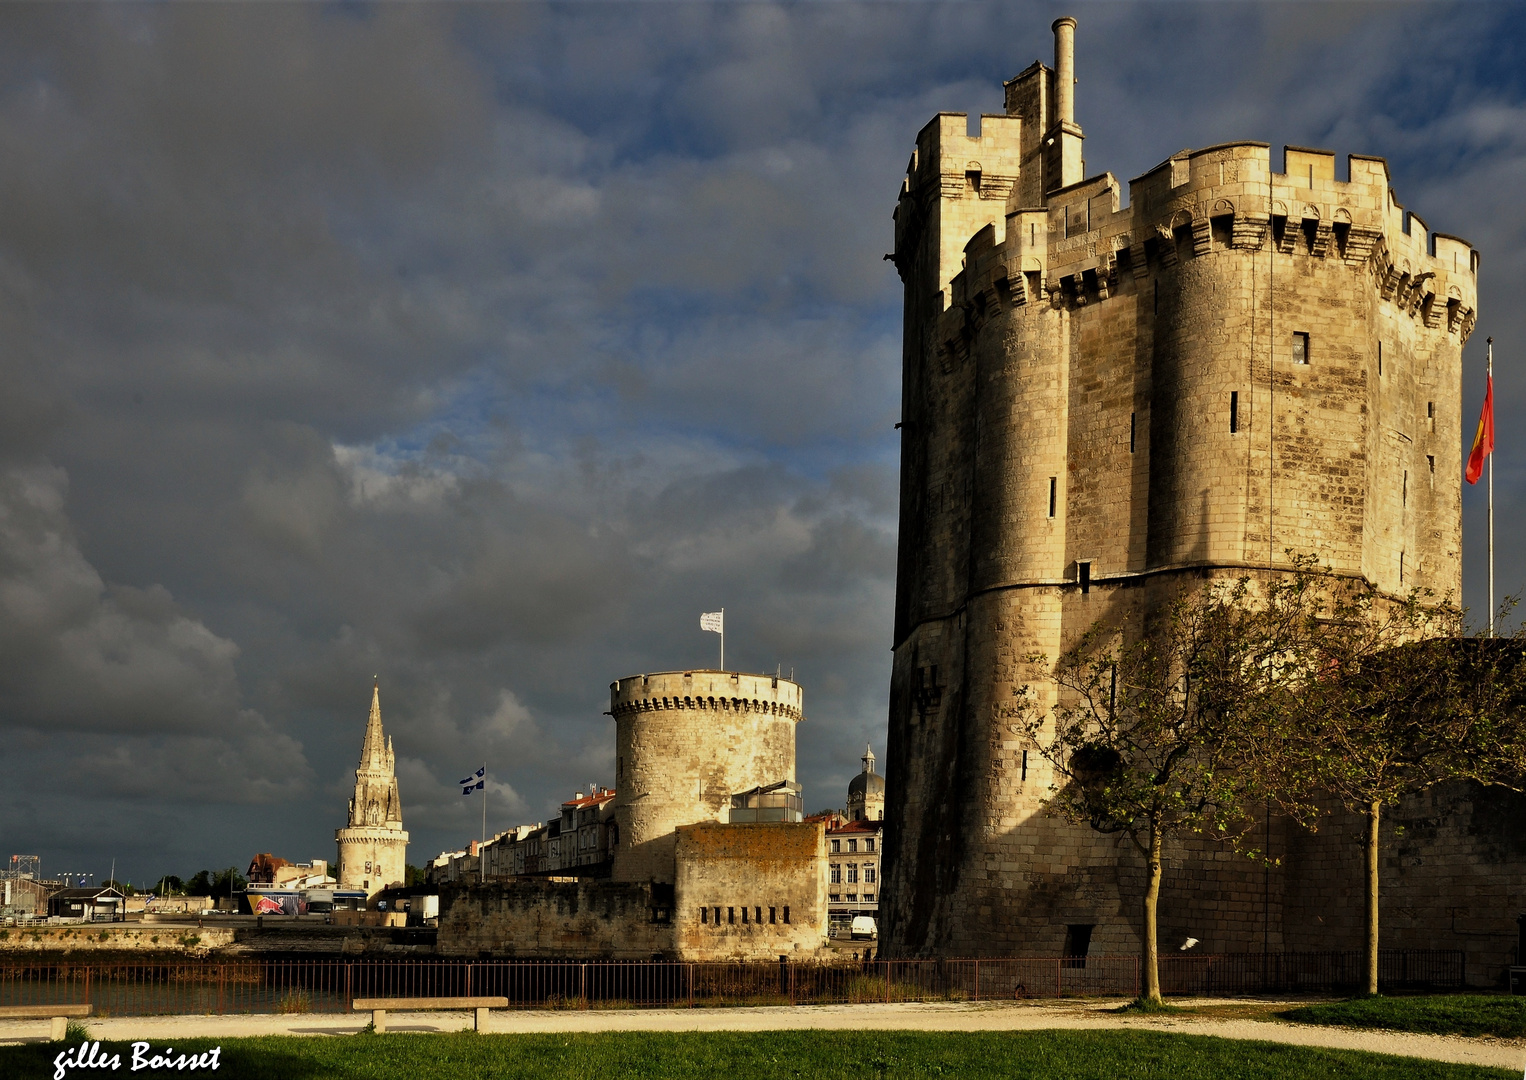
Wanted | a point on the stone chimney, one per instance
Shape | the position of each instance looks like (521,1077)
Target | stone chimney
(1065,137)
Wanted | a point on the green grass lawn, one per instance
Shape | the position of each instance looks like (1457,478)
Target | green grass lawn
(1042,1055)
(1434,1014)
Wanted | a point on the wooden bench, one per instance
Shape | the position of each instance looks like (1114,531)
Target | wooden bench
(59,1014)
(380,1007)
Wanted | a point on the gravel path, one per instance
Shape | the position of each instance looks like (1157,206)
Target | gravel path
(936,1016)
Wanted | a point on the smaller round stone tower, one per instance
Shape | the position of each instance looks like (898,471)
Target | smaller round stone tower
(866,792)
(373,850)
(685,743)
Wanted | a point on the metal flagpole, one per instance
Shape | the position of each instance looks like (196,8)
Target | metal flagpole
(1491,493)
(482,846)
(723,610)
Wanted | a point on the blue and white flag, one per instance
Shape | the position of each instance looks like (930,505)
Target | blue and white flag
(476,782)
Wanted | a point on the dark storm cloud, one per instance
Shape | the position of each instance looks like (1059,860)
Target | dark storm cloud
(480,348)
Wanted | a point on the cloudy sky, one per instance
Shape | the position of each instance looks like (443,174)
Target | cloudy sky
(481,348)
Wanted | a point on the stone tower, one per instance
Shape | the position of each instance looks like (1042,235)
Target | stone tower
(1105,402)
(866,792)
(685,743)
(373,849)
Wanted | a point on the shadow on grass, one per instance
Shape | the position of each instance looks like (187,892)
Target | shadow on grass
(1426,1014)
(778,1055)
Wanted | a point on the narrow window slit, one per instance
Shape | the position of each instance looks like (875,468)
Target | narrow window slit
(1234,412)
(1054,482)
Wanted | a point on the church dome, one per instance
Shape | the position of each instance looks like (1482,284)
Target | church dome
(866,783)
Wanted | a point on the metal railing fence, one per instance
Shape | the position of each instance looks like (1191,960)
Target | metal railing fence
(328,985)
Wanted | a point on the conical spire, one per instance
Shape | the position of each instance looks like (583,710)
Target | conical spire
(375,746)
(868,758)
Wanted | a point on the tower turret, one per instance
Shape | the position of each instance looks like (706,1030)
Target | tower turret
(373,848)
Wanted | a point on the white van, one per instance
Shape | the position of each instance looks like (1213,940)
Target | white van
(863,928)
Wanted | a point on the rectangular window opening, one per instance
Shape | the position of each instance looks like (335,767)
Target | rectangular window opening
(1084,575)
(1430,464)
(704,915)
(1054,482)
(1131,431)
(1401,568)
(786,914)
(1430,415)
(757,915)
(773,916)
(1380,358)
(1025,765)
(1234,412)
(1078,942)
(1300,348)
(717,916)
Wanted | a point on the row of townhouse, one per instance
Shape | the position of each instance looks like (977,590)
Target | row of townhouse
(580,837)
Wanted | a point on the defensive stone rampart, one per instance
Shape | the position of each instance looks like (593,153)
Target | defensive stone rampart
(685,742)
(1104,403)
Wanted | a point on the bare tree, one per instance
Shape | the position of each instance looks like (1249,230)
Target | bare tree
(1148,735)
(1379,697)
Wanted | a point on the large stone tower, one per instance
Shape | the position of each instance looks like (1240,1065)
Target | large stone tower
(686,743)
(1103,402)
(373,849)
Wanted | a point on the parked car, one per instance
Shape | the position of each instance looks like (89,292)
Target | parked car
(863,928)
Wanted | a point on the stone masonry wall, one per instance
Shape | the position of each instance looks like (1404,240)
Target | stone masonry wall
(539,919)
(751,891)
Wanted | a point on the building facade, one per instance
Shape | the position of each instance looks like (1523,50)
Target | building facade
(1106,402)
(373,847)
(855,847)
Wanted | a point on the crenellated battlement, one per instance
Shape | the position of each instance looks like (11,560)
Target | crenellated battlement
(1072,250)
(713,691)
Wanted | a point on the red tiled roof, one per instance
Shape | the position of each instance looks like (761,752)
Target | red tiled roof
(591,800)
(857,827)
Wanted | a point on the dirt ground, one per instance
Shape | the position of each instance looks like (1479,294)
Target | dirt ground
(1231,1019)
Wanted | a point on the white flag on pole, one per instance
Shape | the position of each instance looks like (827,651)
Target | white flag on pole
(713,621)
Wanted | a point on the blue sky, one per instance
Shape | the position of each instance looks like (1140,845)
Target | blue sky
(482,347)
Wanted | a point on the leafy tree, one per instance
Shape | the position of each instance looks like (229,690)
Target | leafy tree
(1147,731)
(1382,698)
(200,884)
(218,884)
(413,875)
(169,885)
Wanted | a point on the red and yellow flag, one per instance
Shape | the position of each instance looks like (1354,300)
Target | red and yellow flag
(1483,442)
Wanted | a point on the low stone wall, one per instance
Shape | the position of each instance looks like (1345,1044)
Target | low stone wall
(534,918)
(114,937)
